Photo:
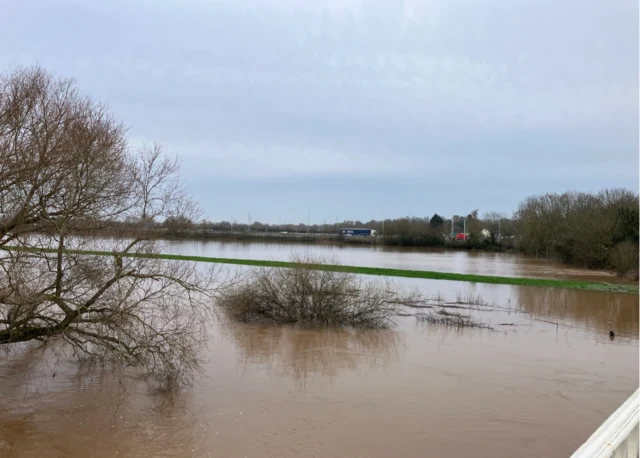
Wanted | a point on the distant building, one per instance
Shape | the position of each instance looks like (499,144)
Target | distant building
(358,232)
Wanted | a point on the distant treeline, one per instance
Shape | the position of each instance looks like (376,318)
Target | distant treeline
(597,231)
(593,230)
(434,231)
(588,230)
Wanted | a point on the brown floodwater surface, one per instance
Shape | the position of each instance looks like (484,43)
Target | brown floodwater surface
(535,385)
(439,260)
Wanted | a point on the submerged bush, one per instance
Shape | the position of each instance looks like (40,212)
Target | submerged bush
(312,297)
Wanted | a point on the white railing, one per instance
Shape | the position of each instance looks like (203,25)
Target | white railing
(618,436)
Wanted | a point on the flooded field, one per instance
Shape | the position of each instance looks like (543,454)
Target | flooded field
(439,260)
(537,383)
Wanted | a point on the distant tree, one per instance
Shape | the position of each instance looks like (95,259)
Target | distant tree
(175,223)
(627,224)
(257,226)
(222,226)
(624,258)
(473,224)
(436,221)
(492,221)
(580,228)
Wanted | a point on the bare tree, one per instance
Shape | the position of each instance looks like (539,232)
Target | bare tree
(66,168)
(493,222)
(581,228)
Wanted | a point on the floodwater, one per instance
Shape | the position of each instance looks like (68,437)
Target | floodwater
(535,385)
(439,260)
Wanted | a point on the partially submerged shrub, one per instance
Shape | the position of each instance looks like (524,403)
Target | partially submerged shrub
(312,297)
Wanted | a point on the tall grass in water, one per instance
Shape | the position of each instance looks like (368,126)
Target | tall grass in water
(445,317)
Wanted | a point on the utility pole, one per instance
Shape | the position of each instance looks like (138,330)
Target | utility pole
(308,217)
(279,224)
(231,223)
(464,220)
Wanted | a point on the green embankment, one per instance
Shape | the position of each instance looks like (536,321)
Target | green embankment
(424,274)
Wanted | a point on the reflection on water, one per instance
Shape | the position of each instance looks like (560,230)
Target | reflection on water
(312,355)
(53,406)
(285,391)
(596,312)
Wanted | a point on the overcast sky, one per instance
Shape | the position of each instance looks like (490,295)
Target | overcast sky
(356,109)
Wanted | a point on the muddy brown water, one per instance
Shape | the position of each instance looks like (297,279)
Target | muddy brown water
(439,260)
(536,385)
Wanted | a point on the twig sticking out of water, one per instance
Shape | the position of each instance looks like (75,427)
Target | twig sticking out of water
(455,319)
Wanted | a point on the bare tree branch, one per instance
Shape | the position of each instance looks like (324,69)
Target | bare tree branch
(66,168)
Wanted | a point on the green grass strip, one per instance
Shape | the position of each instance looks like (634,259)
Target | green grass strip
(423,274)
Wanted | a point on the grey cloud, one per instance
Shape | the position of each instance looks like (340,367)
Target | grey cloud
(382,90)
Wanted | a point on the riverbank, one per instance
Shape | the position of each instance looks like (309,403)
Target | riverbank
(421,274)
